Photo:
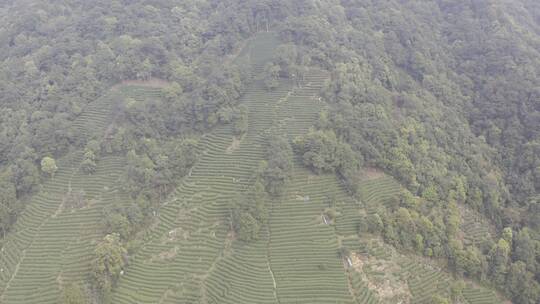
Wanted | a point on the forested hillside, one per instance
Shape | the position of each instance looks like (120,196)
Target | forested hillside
(269,151)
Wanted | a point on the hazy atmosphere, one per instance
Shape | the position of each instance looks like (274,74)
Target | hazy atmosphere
(269,151)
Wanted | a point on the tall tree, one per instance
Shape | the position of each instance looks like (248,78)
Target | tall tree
(48,165)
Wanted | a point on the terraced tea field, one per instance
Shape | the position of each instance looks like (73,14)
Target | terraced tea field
(52,242)
(375,192)
(191,255)
(475,227)
(479,295)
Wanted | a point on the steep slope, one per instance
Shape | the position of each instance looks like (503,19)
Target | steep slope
(52,243)
(441,96)
(193,256)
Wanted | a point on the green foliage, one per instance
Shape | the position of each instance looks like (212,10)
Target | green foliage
(456,291)
(140,170)
(107,263)
(150,175)
(8,197)
(73,294)
(498,261)
(126,219)
(276,171)
(430,113)
(452,221)
(157,167)
(437,299)
(249,213)
(25,176)
(290,63)
(330,214)
(88,165)
(271,76)
(47,83)
(247,227)
(374,223)
(441,95)
(240,121)
(91,153)
(520,283)
(524,247)
(48,165)
(507,235)
(323,152)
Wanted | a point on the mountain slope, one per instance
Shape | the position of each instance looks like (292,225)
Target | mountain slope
(193,255)
(269,151)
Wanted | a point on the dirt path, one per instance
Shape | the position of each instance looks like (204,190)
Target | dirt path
(150,83)
(273,279)
(351,288)
(13,275)
(227,243)
(268,257)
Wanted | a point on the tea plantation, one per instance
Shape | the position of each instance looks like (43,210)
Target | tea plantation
(191,254)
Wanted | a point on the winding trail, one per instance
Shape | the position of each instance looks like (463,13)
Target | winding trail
(268,255)
(13,275)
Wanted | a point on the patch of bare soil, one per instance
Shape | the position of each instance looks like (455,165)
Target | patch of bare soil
(227,246)
(357,262)
(302,198)
(166,255)
(388,288)
(235,144)
(168,293)
(152,82)
(71,200)
(372,173)
(176,234)
(391,293)
(60,281)
(91,202)
(60,208)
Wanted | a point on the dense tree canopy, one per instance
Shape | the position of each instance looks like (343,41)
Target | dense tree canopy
(277,169)
(107,263)
(249,213)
